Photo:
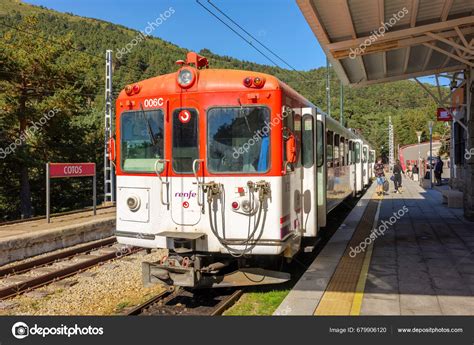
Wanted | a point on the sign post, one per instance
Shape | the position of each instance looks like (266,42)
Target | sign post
(67,170)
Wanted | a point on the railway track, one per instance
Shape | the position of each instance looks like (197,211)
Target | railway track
(180,301)
(29,275)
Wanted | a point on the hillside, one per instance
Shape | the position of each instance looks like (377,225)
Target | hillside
(50,59)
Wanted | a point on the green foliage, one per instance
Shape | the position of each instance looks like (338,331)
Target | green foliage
(56,61)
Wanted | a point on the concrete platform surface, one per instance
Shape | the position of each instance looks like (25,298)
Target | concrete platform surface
(420,261)
(25,239)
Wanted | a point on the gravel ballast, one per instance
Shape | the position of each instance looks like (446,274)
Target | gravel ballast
(107,289)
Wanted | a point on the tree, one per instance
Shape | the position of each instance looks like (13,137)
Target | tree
(43,83)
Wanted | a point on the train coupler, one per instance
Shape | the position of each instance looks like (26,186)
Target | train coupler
(187,272)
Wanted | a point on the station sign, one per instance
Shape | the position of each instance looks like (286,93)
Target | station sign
(60,170)
(444,115)
(65,170)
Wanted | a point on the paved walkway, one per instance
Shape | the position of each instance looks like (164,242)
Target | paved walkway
(424,264)
(420,261)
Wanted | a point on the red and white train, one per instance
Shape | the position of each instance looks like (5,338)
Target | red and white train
(229,170)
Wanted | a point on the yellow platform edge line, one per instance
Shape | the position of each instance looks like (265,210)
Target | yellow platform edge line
(359,293)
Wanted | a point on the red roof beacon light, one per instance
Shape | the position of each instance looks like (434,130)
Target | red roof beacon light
(248,82)
(136,88)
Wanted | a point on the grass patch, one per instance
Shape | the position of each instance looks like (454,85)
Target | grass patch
(258,303)
(121,306)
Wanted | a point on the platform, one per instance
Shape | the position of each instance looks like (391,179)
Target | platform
(28,238)
(419,262)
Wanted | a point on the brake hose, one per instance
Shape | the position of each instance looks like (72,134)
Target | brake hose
(223,241)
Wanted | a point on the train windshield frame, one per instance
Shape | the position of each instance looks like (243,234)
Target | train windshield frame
(238,139)
(141,140)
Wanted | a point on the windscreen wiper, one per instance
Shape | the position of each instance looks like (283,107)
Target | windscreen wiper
(151,134)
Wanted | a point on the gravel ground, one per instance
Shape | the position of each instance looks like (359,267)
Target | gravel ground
(102,290)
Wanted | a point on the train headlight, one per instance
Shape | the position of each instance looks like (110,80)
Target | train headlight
(186,77)
(133,203)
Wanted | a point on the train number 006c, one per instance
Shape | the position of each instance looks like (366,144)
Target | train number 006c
(153,102)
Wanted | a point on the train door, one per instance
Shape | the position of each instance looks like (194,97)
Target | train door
(288,171)
(358,165)
(309,188)
(352,168)
(365,164)
(371,163)
(321,166)
(184,198)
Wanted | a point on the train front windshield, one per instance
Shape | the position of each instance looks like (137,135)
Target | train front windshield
(238,139)
(142,134)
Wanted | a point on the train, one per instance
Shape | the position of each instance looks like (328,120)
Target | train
(232,171)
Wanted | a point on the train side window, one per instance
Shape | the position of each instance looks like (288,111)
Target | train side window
(329,148)
(347,151)
(307,141)
(352,146)
(343,152)
(320,143)
(288,123)
(364,154)
(297,132)
(357,152)
(349,159)
(337,153)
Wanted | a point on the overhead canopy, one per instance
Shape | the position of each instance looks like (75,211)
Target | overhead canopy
(375,41)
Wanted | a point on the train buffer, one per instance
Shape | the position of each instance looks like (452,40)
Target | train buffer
(401,254)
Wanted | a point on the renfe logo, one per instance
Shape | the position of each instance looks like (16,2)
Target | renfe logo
(188,195)
(184,116)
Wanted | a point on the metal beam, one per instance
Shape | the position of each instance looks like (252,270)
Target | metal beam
(399,34)
(411,75)
(401,43)
(414,12)
(407,59)
(360,60)
(442,105)
(446,9)
(381,4)
(462,37)
(447,59)
(346,12)
(454,56)
(451,43)
(427,59)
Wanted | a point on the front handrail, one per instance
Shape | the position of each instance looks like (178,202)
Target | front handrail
(158,173)
(199,183)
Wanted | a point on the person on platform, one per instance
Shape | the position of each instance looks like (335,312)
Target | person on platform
(397,177)
(438,171)
(380,175)
(415,172)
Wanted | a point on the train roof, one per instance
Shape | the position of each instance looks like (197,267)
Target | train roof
(211,80)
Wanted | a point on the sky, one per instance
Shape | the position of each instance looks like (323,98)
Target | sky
(278,24)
